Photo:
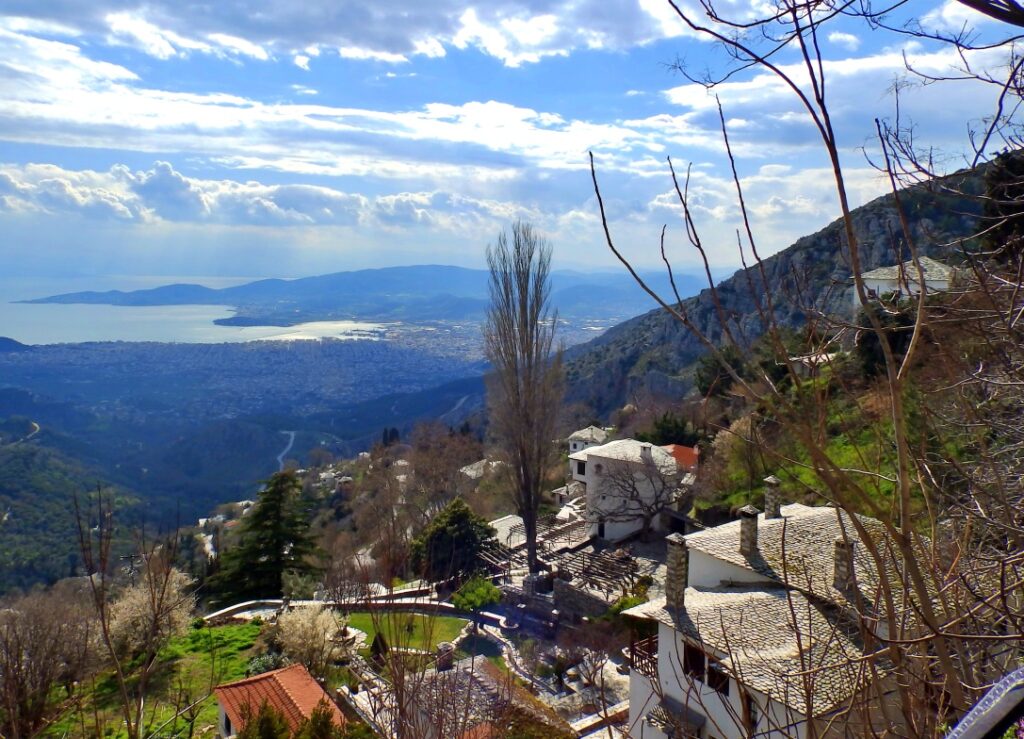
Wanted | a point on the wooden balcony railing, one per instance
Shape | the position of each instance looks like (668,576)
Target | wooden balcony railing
(643,656)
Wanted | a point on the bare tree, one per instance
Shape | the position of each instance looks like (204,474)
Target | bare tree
(45,639)
(525,386)
(939,470)
(134,627)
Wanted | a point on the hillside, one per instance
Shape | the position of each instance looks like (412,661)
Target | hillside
(38,539)
(653,354)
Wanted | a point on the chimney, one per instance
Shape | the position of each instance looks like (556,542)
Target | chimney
(645,453)
(678,576)
(843,577)
(772,497)
(748,530)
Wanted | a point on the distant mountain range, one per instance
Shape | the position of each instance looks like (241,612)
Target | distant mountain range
(414,293)
(653,354)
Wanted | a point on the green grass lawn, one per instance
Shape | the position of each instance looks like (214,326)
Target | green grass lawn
(189,664)
(482,647)
(408,630)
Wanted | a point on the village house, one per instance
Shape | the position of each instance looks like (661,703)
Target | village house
(757,632)
(903,279)
(590,436)
(627,485)
(291,691)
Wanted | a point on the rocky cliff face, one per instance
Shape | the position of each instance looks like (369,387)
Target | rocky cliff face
(653,354)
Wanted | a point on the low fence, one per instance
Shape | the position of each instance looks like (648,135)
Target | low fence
(385,605)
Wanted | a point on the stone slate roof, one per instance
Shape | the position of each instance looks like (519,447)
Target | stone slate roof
(590,433)
(907,272)
(751,629)
(807,561)
(628,450)
(290,690)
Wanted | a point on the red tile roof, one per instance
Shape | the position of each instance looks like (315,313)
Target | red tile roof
(483,730)
(290,690)
(686,456)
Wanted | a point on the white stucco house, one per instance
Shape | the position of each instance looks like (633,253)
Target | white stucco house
(903,279)
(590,436)
(628,483)
(742,618)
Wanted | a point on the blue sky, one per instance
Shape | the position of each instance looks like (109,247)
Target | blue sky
(272,138)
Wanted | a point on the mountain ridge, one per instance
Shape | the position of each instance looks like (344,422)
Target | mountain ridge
(415,292)
(652,354)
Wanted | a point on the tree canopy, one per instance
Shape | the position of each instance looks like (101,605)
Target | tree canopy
(476,594)
(451,543)
(274,539)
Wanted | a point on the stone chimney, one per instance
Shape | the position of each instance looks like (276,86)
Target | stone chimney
(678,576)
(645,453)
(748,530)
(843,570)
(445,656)
(772,497)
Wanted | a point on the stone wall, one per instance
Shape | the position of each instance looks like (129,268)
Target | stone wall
(571,600)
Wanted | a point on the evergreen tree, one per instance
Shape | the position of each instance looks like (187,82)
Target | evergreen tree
(451,544)
(475,595)
(274,539)
(320,724)
(266,723)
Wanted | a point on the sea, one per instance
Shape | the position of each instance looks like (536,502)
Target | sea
(194,324)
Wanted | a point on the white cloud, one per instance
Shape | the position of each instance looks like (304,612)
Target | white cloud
(236,45)
(301,61)
(514,31)
(953,17)
(68,99)
(163,194)
(846,40)
(356,52)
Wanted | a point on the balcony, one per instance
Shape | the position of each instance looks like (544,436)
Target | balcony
(643,656)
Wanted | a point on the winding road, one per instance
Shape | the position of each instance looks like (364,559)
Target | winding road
(281,456)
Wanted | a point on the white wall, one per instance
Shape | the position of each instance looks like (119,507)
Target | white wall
(882,287)
(706,571)
(724,713)
(598,486)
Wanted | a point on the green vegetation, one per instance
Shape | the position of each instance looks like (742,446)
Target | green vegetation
(451,543)
(408,630)
(37,523)
(669,428)
(275,540)
(189,666)
(475,595)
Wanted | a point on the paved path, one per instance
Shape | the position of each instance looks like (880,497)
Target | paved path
(281,456)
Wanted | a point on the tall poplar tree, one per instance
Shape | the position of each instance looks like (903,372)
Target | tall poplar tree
(525,387)
(274,538)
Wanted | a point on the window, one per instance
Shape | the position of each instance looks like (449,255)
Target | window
(598,469)
(581,468)
(718,679)
(749,713)
(693,662)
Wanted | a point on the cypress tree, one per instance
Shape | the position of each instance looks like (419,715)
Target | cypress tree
(274,538)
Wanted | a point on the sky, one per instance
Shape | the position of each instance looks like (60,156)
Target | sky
(176,137)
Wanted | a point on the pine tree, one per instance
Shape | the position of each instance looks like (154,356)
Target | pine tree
(274,539)
(451,543)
